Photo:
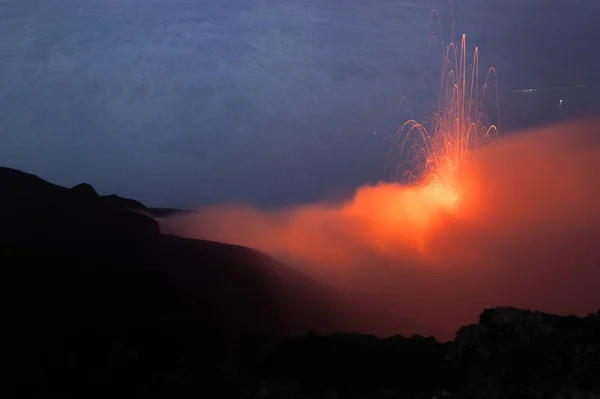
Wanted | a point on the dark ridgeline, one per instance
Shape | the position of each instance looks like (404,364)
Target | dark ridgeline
(100,302)
(99,299)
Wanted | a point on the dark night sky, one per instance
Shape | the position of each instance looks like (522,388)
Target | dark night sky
(187,102)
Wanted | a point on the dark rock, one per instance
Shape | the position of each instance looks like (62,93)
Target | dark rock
(350,365)
(85,192)
(512,353)
(521,353)
(20,189)
(101,302)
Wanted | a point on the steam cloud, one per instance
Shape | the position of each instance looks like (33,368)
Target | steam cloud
(527,234)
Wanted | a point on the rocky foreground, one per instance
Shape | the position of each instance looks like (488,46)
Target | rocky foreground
(101,303)
(511,353)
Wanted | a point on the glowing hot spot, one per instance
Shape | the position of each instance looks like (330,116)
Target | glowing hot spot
(393,215)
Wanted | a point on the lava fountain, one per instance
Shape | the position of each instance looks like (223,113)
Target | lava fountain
(440,145)
(433,156)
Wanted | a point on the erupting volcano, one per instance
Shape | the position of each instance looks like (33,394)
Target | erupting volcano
(448,259)
(468,221)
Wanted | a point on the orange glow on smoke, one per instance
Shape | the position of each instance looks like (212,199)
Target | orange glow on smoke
(526,234)
(393,215)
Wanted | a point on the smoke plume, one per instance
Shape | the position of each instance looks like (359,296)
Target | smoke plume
(525,232)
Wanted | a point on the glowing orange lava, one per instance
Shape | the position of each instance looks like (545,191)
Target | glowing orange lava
(395,215)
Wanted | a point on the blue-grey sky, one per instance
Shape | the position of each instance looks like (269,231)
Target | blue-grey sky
(182,103)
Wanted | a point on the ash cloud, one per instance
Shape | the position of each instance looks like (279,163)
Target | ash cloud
(527,235)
